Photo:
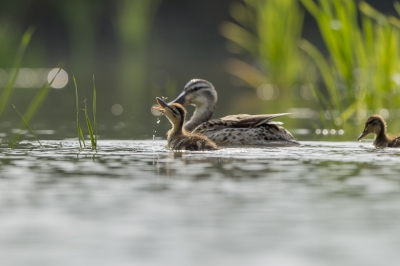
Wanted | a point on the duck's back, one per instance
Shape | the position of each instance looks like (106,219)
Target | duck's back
(245,130)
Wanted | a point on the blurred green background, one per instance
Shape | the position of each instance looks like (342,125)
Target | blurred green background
(331,62)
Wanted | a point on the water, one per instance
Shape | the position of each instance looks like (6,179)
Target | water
(136,203)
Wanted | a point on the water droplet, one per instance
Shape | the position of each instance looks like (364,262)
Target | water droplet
(158,120)
(154,136)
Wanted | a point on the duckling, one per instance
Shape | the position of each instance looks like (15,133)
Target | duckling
(239,129)
(375,124)
(178,138)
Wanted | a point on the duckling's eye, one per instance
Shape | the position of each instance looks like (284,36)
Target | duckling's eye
(174,111)
(195,88)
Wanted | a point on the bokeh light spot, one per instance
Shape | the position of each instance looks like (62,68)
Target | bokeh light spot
(335,24)
(155,112)
(60,81)
(117,109)
(268,92)
(384,113)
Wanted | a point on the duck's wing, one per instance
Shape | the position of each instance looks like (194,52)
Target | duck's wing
(246,129)
(239,121)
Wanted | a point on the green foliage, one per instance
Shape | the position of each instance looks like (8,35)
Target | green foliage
(270,32)
(361,73)
(363,69)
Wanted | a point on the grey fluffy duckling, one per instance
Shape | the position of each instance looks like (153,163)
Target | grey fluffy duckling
(178,137)
(375,124)
(241,129)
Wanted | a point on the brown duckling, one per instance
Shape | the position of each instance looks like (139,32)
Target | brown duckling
(376,125)
(178,138)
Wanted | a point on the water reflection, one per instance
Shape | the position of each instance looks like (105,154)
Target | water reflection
(134,202)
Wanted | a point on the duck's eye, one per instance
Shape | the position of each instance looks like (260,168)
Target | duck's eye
(195,88)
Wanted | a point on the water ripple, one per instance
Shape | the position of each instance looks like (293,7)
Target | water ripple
(137,203)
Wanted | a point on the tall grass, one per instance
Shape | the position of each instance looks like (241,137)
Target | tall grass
(269,31)
(9,88)
(362,72)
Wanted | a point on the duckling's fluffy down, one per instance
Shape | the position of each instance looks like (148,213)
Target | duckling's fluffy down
(189,141)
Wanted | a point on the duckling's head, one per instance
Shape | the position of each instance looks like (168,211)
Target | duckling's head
(173,111)
(198,92)
(375,124)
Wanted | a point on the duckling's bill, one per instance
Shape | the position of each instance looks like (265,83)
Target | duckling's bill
(162,105)
(362,135)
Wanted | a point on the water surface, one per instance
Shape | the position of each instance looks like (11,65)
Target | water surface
(137,203)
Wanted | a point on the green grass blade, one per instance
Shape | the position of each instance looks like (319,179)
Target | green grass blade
(90,129)
(34,105)
(325,71)
(39,98)
(94,113)
(26,123)
(81,137)
(9,88)
(80,134)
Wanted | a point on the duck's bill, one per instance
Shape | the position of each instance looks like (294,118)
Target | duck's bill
(162,105)
(362,135)
(161,102)
(181,99)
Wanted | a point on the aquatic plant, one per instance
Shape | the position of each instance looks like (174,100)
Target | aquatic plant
(362,71)
(9,88)
(80,133)
(269,31)
(91,129)
(27,124)
(34,105)
(10,85)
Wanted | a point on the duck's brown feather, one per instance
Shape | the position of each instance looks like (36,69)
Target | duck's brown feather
(245,129)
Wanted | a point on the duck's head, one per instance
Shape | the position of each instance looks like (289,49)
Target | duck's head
(173,111)
(375,124)
(198,92)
